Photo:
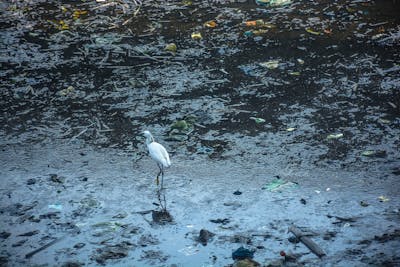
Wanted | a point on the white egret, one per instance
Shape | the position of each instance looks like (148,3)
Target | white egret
(159,154)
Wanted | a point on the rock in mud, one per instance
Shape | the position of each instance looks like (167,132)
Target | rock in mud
(242,254)
(118,251)
(246,263)
(4,235)
(79,245)
(154,255)
(31,181)
(205,236)
(146,240)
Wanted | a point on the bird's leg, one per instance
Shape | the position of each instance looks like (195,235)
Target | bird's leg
(165,202)
(162,177)
(158,175)
(159,198)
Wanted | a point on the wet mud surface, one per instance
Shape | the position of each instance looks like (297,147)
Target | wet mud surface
(293,121)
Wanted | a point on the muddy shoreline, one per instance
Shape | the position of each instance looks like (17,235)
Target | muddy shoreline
(273,115)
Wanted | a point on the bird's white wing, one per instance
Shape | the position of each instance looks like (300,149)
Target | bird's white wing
(159,154)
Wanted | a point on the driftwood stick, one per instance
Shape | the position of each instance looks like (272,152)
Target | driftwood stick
(30,254)
(307,241)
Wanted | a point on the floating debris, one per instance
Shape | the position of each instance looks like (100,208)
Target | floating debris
(272,64)
(278,185)
(334,136)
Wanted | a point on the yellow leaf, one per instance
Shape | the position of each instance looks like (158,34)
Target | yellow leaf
(170,47)
(210,24)
(312,31)
(196,35)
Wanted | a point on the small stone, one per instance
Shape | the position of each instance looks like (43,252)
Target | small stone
(237,193)
(246,263)
(79,245)
(31,181)
(242,254)
(56,179)
(204,236)
(4,235)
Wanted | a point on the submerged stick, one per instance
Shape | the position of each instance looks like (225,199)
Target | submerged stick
(30,254)
(307,241)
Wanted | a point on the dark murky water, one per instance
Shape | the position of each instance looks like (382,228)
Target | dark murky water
(311,95)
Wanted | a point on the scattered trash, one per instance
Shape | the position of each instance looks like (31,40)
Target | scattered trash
(180,125)
(210,24)
(252,23)
(189,250)
(385,121)
(55,206)
(171,47)
(364,204)
(273,2)
(242,253)
(255,32)
(272,64)
(196,36)
(334,136)
(383,199)
(279,185)
(257,120)
(291,129)
(374,153)
(295,73)
(67,91)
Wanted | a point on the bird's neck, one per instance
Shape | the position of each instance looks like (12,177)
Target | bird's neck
(149,140)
